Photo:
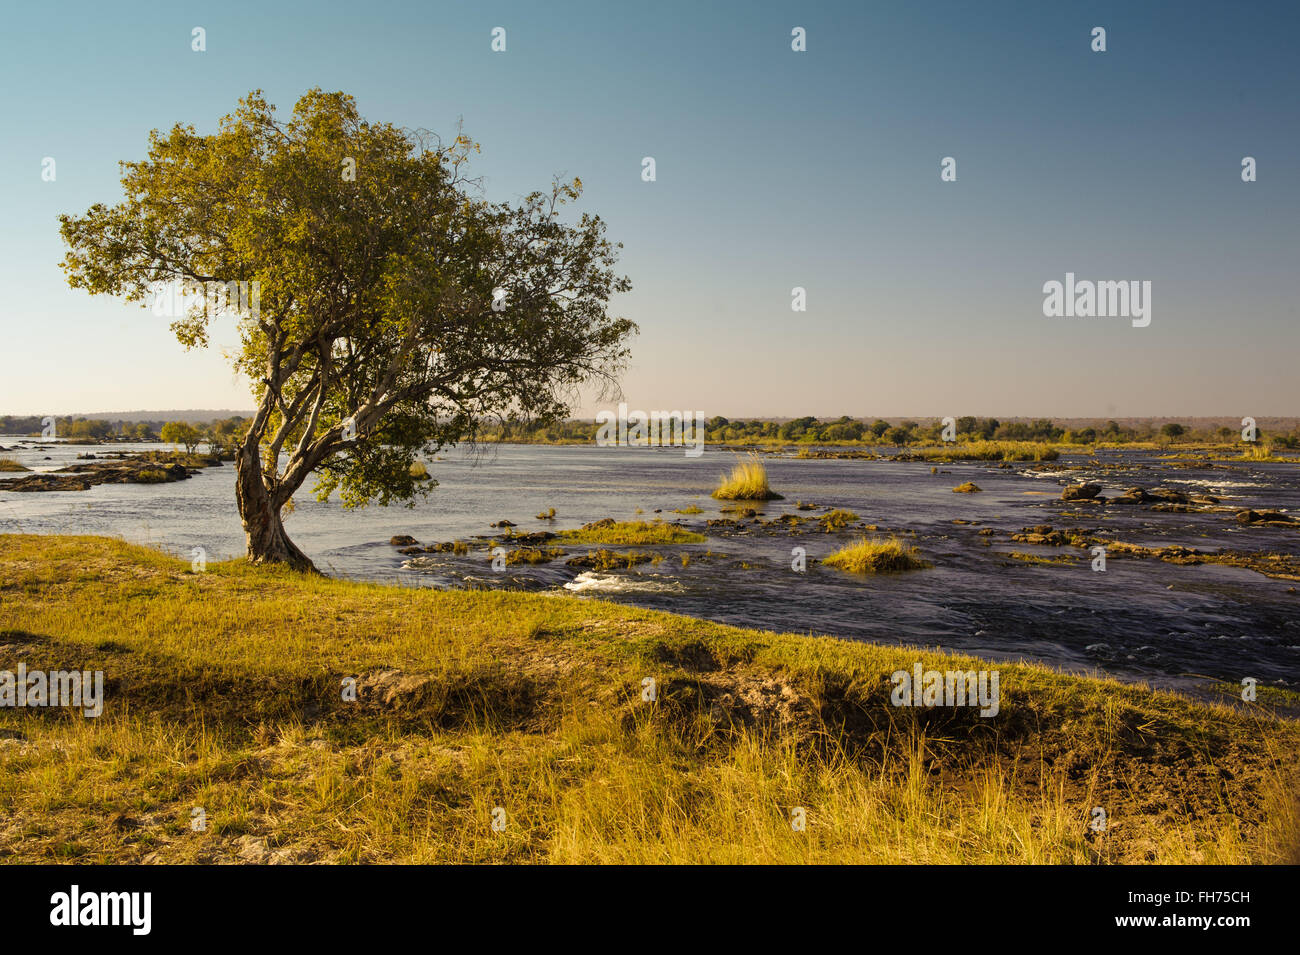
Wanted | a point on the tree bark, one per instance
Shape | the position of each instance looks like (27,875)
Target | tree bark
(266,540)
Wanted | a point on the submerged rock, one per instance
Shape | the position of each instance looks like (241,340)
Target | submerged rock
(1271,518)
(1167,496)
(1080,492)
(1042,534)
(532,537)
(1138,495)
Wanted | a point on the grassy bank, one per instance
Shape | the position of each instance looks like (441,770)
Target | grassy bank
(223,693)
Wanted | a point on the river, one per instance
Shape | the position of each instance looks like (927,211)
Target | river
(1140,620)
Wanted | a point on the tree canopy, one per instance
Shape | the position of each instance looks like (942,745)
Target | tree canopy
(385,307)
(182,432)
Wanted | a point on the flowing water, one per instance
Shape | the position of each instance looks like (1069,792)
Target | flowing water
(1147,620)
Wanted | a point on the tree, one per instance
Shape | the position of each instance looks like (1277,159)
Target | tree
(181,432)
(85,429)
(390,309)
(1173,430)
(224,435)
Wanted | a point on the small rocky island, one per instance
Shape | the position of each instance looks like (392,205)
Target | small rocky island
(141,467)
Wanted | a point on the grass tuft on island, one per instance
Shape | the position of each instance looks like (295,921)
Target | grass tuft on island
(631,533)
(746,482)
(877,556)
(223,690)
(9,464)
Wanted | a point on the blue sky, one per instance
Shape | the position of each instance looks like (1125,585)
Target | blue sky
(775,169)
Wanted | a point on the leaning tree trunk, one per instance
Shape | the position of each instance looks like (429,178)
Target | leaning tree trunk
(267,543)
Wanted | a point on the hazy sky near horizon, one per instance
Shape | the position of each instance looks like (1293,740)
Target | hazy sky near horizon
(775,169)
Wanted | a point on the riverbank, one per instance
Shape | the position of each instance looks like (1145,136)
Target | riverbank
(223,693)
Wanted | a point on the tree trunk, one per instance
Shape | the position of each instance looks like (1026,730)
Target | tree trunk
(267,543)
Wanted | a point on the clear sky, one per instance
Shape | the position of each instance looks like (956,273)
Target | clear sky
(775,169)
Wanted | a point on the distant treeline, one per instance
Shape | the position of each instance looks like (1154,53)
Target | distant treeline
(221,435)
(843,430)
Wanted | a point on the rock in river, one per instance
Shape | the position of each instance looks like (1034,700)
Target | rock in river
(1081,492)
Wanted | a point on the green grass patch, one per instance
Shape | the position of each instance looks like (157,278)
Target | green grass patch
(149,476)
(631,533)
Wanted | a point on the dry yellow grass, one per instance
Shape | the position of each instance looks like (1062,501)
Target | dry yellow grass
(877,556)
(223,693)
(746,482)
